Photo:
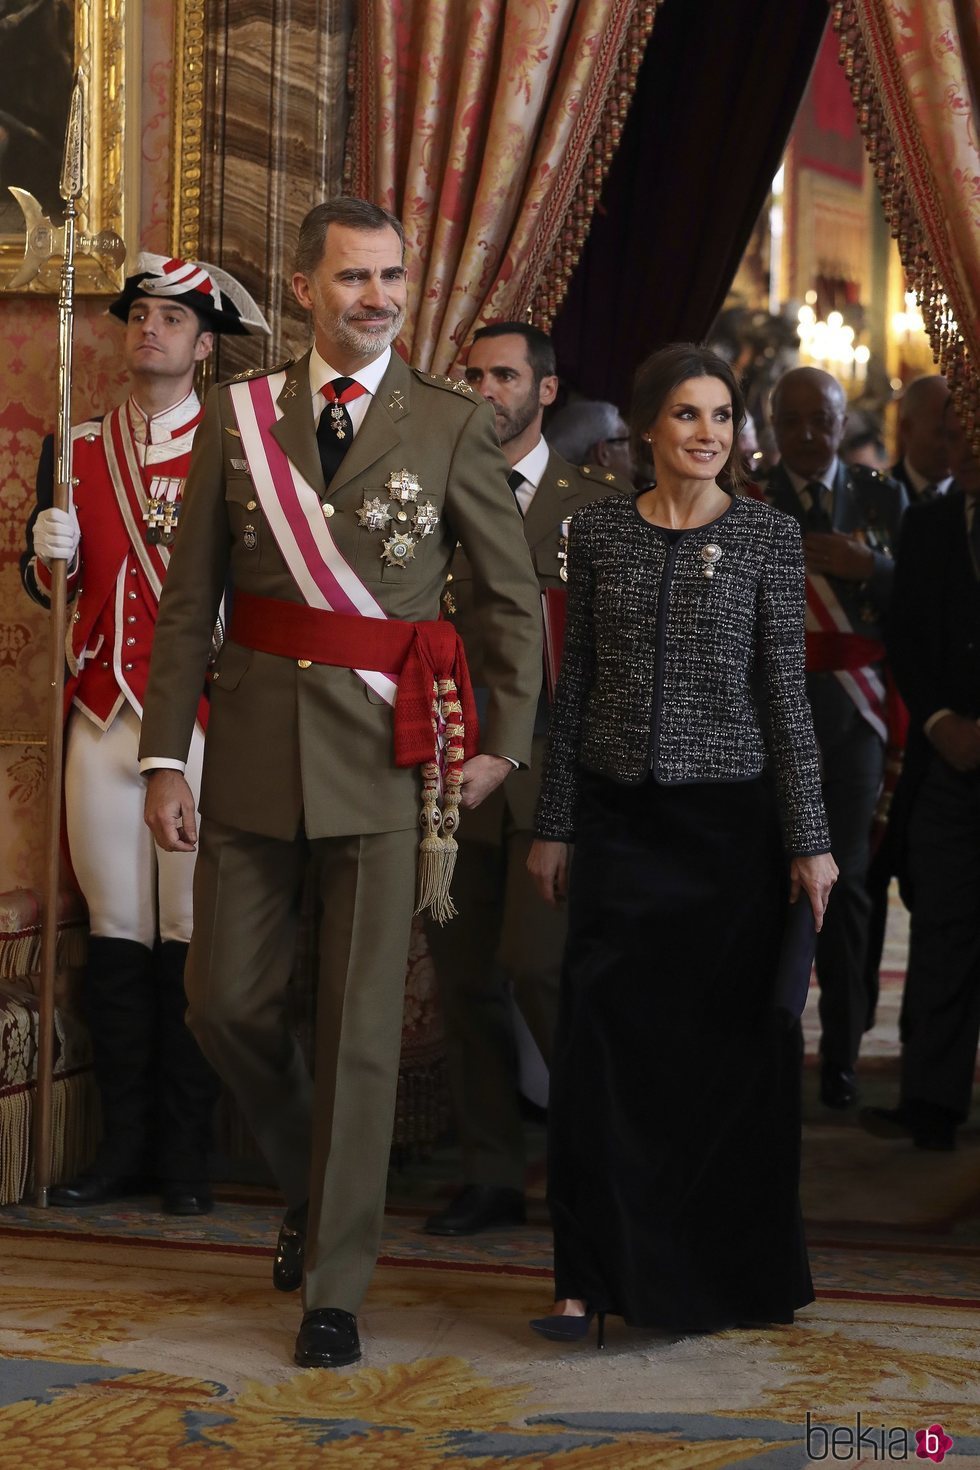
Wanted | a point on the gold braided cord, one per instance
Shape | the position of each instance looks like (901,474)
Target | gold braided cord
(548,268)
(915,213)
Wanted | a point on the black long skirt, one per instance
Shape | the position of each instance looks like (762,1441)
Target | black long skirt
(674,1133)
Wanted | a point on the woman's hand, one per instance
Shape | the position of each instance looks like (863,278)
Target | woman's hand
(817,875)
(547,863)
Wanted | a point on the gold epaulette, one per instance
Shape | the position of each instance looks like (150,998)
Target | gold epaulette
(450,385)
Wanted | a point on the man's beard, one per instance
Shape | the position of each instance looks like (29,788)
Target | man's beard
(513,421)
(345,330)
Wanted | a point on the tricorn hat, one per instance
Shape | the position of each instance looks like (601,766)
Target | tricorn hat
(219,300)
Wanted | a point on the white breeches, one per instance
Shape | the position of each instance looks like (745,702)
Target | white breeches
(133,890)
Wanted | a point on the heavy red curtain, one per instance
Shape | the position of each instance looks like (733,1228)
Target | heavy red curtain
(716,97)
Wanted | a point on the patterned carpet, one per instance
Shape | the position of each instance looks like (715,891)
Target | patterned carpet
(130,1339)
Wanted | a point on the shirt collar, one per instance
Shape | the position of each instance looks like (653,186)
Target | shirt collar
(534,463)
(828,479)
(919,482)
(157,428)
(369,377)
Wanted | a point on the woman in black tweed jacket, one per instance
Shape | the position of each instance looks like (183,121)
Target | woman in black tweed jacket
(682,765)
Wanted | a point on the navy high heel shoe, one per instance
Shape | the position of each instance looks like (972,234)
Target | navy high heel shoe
(570,1329)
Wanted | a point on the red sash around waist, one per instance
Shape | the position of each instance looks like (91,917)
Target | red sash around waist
(418,655)
(832,652)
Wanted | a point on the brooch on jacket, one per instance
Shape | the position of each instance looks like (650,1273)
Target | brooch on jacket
(408,523)
(711,555)
(566,526)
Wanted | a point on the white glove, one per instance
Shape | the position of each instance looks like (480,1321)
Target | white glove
(56,535)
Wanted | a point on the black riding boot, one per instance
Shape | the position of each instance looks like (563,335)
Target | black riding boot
(187,1087)
(118,1007)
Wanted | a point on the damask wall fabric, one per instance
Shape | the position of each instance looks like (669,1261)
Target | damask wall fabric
(484,125)
(909,66)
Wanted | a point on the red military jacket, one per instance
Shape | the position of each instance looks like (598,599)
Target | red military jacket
(122,466)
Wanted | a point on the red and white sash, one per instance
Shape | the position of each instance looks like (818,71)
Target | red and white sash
(292,508)
(864,686)
(129,482)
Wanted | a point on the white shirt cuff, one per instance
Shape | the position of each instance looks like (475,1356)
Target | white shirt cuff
(160,763)
(934,719)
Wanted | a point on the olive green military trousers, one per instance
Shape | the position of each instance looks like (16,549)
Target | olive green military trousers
(326,1139)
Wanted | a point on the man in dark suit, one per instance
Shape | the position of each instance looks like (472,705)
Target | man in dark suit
(934,646)
(850,517)
(332,493)
(924,466)
(505,936)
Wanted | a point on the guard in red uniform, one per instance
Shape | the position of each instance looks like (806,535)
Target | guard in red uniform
(128,472)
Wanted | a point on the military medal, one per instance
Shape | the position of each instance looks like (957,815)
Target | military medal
(403,485)
(162,510)
(338,420)
(711,555)
(249,538)
(398,550)
(375,514)
(426,519)
(566,526)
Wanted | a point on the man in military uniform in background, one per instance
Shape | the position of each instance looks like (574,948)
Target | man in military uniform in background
(924,466)
(156,1090)
(333,493)
(505,936)
(850,516)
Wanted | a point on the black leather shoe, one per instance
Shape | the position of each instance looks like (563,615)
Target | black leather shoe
(478,1207)
(287,1265)
(927,1129)
(185,1197)
(838,1087)
(327,1338)
(91,1189)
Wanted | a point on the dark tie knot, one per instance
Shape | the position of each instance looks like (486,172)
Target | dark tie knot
(515,480)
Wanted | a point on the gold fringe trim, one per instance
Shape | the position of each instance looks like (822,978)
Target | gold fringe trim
(75,1130)
(20,954)
(548,278)
(15,1144)
(851,20)
(438,847)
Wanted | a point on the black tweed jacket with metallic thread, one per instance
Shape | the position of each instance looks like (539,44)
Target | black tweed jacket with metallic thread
(697,677)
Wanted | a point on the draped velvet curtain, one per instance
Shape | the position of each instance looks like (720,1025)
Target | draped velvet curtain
(488,126)
(913,67)
(715,100)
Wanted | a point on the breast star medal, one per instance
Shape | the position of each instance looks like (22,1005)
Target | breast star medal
(398,550)
(403,485)
(426,519)
(375,514)
(711,555)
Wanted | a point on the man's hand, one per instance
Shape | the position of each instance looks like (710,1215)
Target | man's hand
(957,739)
(56,535)
(169,811)
(547,863)
(835,554)
(482,774)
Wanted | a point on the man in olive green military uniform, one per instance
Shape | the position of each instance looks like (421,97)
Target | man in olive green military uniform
(505,936)
(333,494)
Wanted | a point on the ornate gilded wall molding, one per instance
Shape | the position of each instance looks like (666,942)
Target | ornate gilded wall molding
(187,152)
(107,48)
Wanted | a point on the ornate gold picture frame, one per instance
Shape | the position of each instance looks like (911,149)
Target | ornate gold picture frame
(103,38)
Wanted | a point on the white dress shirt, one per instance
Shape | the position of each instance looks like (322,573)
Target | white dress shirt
(532,467)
